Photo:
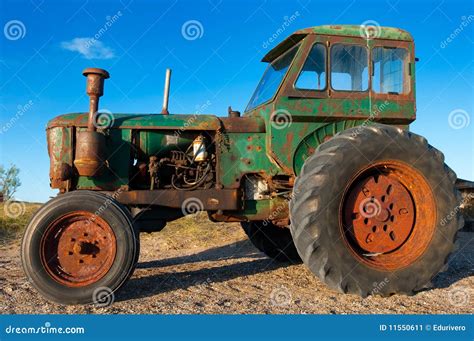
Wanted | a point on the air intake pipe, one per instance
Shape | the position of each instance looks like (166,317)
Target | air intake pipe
(166,92)
(90,144)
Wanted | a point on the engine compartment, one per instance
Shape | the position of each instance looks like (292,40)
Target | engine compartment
(163,160)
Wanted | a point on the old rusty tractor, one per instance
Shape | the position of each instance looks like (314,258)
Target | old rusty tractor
(321,168)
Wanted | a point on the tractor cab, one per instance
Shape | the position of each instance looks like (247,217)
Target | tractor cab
(342,63)
(349,74)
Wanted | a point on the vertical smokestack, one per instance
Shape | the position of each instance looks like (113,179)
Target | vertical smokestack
(90,144)
(95,89)
(166,94)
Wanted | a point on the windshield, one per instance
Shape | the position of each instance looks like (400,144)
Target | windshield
(271,79)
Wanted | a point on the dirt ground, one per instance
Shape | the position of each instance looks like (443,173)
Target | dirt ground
(195,266)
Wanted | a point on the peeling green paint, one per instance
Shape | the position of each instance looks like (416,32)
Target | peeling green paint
(258,143)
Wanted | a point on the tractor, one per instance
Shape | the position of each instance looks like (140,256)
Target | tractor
(321,168)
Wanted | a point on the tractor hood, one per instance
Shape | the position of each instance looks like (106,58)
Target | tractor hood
(140,121)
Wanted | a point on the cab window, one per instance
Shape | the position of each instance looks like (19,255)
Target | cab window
(272,78)
(389,70)
(313,74)
(349,69)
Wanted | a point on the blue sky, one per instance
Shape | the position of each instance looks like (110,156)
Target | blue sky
(42,55)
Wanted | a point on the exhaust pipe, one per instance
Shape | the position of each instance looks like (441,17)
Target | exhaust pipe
(166,94)
(95,90)
(90,144)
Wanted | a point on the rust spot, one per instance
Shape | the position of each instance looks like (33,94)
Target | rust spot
(288,143)
(247,161)
(212,199)
(327,138)
(243,124)
(90,153)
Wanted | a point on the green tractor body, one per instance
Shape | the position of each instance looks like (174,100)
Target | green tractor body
(295,169)
(282,126)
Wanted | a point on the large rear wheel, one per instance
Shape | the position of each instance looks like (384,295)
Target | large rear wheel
(374,211)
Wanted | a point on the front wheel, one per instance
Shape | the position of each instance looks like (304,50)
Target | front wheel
(80,247)
(374,211)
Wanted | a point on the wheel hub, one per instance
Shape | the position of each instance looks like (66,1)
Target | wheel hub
(388,215)
(384,215)
(78,249)
(381,212)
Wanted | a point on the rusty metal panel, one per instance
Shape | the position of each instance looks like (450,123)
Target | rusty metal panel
(206,199)
(243,124)
(117,160)
(242,153)
(143,121)
(60,150)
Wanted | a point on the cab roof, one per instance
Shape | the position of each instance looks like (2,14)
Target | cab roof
(389,33)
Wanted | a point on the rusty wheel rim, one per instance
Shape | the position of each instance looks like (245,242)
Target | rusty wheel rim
(78,249)
(388,215)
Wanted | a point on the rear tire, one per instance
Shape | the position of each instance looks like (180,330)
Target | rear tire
(274,241)
(405,240)
(80,247)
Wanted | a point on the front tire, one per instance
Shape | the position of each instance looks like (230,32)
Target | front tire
(374,211)
(80,247)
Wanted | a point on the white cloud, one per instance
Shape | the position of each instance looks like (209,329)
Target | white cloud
(89,48)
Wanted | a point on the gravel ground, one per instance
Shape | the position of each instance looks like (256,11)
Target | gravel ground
(195,266)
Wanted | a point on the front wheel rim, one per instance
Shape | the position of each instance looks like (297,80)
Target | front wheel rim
(78,249)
